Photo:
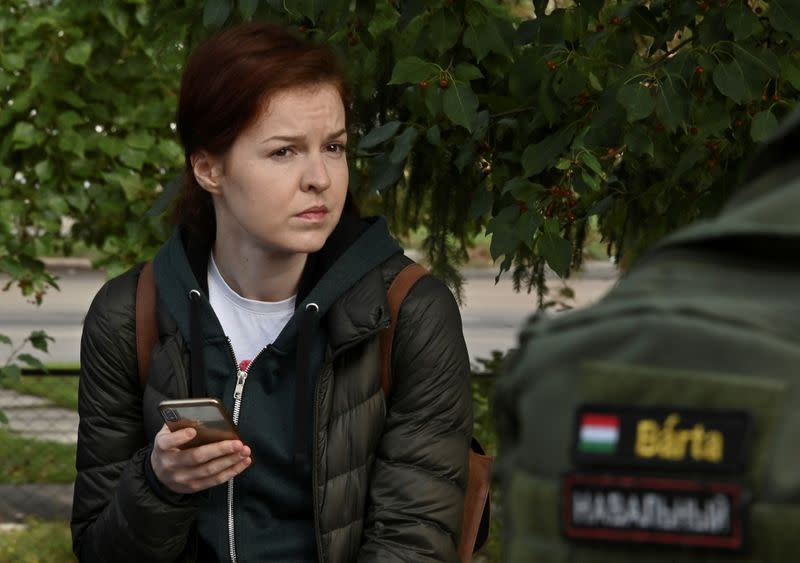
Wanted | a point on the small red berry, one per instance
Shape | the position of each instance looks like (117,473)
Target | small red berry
(699,70)
(570,217)
(552,66)
(660,127)
(693,131)
(776,97)
(615,20)
(759,10)
(738,123)
(302,29)
(423,83)
(711,163)
(764,98)
(444,83)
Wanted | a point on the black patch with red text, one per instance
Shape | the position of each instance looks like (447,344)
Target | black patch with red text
(663,437)
(653,511)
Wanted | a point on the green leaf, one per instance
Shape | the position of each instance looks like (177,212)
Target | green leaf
(557,251)
(466,72)
(68,119)
(79,53)
(505,239)
(140,140)
(44,170)
(591,161)
(466,155)
(72,142)
(637,101)
(528,192)
(590,180)
(784,15)
(31,362)
(310,8)
(413,70)
(731,82)
(763,126)
(594,82)
(215,13)
(5,340)
(133,158)
(741,21)
(247,8)
(403,145)
(537,157)
(762,60)
(384,173)
(12,61)
(378,135)
(118,18)
(790,71)
(25,135)
(638,141)
(689,158)
(671,104)
(444,30)
(434,135)
(460,104)
(481,203)
(493,36)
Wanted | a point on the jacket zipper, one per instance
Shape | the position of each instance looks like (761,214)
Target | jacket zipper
(238,393)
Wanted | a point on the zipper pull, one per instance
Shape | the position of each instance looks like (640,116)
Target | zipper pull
(241,376)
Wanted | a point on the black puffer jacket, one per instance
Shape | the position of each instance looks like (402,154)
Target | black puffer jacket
(388,475)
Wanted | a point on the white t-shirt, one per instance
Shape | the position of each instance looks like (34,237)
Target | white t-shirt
(251,325)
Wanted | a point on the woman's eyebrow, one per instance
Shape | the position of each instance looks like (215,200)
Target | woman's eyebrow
(298,138)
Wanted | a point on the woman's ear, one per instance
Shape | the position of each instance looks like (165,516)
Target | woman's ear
(207,170)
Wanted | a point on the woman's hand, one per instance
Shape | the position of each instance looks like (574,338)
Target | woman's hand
(195,469)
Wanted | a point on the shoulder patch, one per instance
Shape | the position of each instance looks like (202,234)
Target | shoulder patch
(667,438)
(651,510)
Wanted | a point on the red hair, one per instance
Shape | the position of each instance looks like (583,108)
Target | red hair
(228,81)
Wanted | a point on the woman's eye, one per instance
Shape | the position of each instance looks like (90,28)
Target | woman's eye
(282,152)
(336,148)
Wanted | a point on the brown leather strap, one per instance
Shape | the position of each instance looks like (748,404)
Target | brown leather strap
(146,333)
(480,470)
(401,285)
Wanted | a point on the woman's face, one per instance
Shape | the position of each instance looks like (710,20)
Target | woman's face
(282,185)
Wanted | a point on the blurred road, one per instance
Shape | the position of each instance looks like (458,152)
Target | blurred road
(492,314)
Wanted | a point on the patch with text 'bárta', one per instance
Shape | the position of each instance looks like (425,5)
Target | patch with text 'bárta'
(653,511)
(663,437)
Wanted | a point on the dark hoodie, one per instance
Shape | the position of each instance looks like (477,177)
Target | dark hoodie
(272,511)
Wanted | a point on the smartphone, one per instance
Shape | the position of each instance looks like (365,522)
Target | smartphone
(207,416)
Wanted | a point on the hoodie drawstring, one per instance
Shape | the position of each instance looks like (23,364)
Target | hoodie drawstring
(306,337)
(198,362)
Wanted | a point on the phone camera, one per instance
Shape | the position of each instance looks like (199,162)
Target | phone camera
(171,415)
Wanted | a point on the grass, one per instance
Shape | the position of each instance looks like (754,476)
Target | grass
(37,542)
(62,390)
(35,461)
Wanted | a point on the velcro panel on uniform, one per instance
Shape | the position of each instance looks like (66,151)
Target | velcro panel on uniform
(654,511)
(669,438)
(762,398)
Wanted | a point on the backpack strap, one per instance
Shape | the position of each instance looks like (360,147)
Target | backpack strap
(401,285)
(146,331)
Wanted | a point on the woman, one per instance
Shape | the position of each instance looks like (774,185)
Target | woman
(273,295)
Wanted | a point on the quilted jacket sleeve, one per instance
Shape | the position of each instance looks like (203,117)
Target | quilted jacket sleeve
(421,467)
(115,514)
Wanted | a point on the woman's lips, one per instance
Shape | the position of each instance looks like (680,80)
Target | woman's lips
(313,214)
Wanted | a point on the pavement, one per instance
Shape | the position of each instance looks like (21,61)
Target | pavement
(492,314)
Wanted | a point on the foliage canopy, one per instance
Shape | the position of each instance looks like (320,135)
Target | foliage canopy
(465,116)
